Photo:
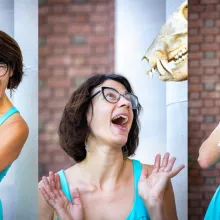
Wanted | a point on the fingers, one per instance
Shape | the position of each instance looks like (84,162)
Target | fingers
(176,171)
(44,193)
(62,195)
(46,196)
(52,186)
(48,187)
(156,163)
(76,197)
(165,159)
(166,166)
(52,180)
(169,166)
(57,180)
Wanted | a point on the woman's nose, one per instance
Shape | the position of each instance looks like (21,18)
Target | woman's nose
(124,102)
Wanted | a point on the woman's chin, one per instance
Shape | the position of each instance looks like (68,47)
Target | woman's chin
(120,141)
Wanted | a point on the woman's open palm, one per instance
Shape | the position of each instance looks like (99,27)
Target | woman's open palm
(55,197)
(152,187)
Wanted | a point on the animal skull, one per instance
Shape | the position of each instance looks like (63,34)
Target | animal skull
(168,54)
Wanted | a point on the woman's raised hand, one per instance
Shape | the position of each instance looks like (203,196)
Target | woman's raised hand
(53,194)
(151,187)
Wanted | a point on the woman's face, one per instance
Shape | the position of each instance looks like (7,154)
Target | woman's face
(4,78)
(104,126)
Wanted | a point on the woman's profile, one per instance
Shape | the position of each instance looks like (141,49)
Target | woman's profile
(209,155)
(99,129)
(13,128)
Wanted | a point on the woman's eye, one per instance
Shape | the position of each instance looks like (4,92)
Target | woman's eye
(2,66)
(111,95)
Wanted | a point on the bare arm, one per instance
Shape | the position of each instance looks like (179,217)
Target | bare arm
(209,152)
(169,202)
(168,206)
(45,211)
(12,139)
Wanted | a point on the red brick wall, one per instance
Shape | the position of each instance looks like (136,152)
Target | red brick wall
(76,39)
(204,98)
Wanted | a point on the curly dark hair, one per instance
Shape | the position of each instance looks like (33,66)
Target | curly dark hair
(10,54)
(74,127)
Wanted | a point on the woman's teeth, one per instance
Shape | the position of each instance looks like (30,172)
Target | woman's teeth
(123,117)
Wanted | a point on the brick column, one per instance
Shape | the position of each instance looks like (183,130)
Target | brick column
(76,39)
(204,98)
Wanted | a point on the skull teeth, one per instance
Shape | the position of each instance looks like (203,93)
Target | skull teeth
(151,72)
(181,56)
(184,50)
(166,66)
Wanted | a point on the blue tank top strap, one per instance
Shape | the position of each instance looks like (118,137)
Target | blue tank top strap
(3,173)
(1,211)
(64,185)
(139,210)
(9,113)
(137,167)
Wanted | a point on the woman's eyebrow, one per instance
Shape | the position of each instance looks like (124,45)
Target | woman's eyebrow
(118,91)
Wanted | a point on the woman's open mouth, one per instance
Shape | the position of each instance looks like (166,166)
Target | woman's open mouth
(120,121)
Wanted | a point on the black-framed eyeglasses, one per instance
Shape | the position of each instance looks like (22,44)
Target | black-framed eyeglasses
(113,96)
(3,69)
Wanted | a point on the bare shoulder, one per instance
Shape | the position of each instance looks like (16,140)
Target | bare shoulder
(74,175)
(21,126)
(15,125)
(209,153)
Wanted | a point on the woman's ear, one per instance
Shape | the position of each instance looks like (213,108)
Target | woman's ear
(89,114)
(11,72)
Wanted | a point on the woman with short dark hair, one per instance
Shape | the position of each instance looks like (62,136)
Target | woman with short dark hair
(99,129)
(13,128)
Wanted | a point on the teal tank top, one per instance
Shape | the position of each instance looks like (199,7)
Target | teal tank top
(138,212)
(9,113)
(213,211)
(1,211)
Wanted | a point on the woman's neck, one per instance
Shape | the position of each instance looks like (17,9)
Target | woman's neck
(5,104)
(104,165)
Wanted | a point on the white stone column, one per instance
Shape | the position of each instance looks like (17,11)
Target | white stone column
(7,16)
(177,130)
(19,189)
(26,100)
